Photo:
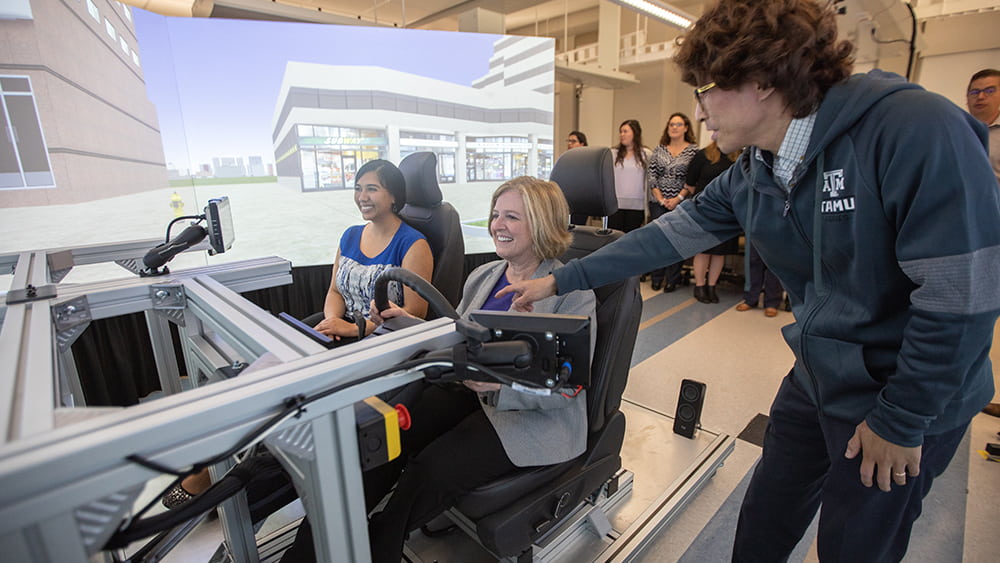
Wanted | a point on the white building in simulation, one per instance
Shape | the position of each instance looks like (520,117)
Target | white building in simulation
(330,119)
(520,62)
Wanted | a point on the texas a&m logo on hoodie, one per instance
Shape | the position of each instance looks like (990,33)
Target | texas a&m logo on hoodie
(836,197)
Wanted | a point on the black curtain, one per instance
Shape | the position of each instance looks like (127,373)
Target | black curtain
(115,356)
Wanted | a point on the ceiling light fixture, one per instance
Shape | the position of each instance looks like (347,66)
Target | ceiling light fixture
(659,11)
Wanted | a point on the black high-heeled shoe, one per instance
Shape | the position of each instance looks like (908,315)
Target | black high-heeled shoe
(701,294)
(713,297)
(657,285)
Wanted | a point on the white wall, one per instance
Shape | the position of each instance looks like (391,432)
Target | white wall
(949,74)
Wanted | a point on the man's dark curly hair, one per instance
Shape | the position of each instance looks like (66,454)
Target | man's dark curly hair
(790,45)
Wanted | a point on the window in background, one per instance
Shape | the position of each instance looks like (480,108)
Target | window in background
(496,158)
(94,13)
(24,158)
(111,29)
(445,146)
(328,156)
(545,155)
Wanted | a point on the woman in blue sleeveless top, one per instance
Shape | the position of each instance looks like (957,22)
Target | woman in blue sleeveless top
(367,250)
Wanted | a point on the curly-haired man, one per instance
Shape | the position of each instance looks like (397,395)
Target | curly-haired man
(887,240)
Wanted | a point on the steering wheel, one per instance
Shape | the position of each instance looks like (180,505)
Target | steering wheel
(424,289)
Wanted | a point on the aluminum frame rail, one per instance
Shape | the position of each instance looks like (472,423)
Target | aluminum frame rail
(63,491)
(27,370)
(62,260)
(37,335)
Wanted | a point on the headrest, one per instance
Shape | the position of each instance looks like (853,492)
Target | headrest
(587,178)
(420,171)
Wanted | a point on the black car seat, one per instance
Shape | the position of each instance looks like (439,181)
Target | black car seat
(437,220)
(544,496)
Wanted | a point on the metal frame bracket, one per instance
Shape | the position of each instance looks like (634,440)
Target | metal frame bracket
(31,293)
(70,319)
(167,297)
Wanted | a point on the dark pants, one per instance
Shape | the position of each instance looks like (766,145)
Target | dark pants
(761,277)
(803,468)
(450,450)
(670,274)
(626,220)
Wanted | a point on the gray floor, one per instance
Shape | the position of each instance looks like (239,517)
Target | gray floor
(741,357)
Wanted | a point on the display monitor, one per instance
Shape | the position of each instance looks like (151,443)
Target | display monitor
(560,346)
(220,225)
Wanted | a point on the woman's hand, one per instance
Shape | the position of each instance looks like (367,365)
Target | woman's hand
(672,203)
(481,386)
(336,327)
(391,312)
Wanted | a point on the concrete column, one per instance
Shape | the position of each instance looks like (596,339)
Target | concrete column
(597,105)
(597,116)
(479,20)
(460,175)
(392,143)
(533,155)
(608,35)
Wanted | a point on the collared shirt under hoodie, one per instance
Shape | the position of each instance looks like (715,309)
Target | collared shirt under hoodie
(888,247)
(786,165)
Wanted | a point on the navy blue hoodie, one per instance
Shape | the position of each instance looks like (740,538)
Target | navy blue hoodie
(888,246)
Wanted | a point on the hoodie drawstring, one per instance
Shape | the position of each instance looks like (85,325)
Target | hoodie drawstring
(817,234)
(817,230)
(746,238)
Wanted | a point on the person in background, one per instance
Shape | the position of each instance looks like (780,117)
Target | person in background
(665,177)
(887,241)
(631,159)
(575,139)
(758,277)
(708,163)
(983,98)
(367,250)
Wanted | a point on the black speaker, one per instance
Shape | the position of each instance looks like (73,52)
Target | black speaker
(688,416)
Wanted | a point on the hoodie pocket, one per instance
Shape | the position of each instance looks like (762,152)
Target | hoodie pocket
(846,388)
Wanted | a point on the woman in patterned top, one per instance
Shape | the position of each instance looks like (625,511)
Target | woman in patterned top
(367,250)
(665,177)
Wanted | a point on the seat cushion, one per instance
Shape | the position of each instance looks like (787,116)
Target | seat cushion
(498,494)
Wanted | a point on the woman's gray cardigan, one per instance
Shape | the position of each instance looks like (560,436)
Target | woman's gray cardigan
(534,430)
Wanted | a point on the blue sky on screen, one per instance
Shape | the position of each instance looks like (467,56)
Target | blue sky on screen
(218,80)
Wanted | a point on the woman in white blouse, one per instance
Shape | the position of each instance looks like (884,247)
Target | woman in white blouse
(631,159)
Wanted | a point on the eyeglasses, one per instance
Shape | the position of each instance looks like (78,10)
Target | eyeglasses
(681,124)
(974,93)
(699,91)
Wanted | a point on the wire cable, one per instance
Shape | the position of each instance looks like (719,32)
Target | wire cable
(136,527)
(170,225)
